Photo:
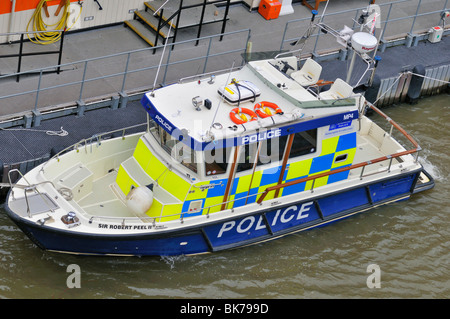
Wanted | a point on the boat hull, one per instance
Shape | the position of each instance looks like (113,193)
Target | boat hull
(255,227)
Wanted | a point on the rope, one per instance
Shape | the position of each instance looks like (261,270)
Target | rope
(61,132)
(427,77)
(409,72)
(396,80)
(48,37)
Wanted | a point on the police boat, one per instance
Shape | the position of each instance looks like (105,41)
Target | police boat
(227,160)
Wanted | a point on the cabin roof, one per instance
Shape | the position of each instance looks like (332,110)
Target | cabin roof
(172,106)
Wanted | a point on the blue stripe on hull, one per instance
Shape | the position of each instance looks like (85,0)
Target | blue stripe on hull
(344,201)
(261,226)
(394,187)
(141,246)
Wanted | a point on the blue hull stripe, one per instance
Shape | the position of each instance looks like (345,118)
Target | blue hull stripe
(257,227)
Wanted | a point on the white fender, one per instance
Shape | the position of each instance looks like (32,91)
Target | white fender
(140,199)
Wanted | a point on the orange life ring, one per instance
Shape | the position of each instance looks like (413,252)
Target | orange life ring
(261,109)
(239,118)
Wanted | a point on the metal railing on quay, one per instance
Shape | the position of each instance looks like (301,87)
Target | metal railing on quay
(385,23)
(170,62)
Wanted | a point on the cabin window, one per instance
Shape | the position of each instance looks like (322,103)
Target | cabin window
(216,161)
(272,150)
(154,130)
(164,139)
(168,142)
(176,149)
(247,157)
(187,156)
(179,151)
(304,143)
(341,158)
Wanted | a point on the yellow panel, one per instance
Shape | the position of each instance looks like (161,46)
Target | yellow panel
(122,180)
(299,169)
(142,154)
(317,182)
(149,162)
(171,212)
(329,145)
(257,179)
(244,183)
(216,201)
(230,201)
(132,183)
(175,185)
(125,181)
(155,168)
(169,180)
(155,209)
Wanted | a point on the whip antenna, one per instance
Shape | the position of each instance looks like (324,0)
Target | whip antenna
(160,62)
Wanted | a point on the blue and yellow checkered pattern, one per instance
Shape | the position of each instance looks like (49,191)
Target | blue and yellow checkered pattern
(212,197)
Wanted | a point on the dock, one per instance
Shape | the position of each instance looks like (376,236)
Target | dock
(105,71)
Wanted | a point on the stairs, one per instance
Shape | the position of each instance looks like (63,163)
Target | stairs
(187,14)
(145,25)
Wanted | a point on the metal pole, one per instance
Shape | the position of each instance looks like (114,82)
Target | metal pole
(60,51)
(350,70)
(19,63)
(377,59)
(175,30)
(201,22)
(224,23)
(167,67)
(248,48)
(158,29)
(125,72)
(387,19)
(37,91)
(415,16)
(11,20)
(284,35)
(82,81)
(207,55)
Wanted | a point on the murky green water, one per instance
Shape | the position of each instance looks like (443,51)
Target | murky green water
(409,241)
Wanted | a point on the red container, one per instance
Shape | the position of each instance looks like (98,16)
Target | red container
(269,9)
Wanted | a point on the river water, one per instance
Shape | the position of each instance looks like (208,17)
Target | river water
(408,241)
